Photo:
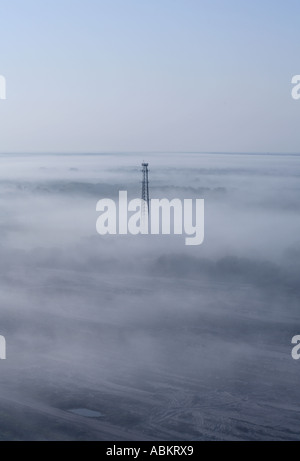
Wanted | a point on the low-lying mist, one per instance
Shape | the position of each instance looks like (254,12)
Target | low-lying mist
(165,341)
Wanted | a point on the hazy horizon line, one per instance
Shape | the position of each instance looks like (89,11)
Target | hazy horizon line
(154,153)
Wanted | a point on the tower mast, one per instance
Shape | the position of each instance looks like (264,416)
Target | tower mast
(145,188)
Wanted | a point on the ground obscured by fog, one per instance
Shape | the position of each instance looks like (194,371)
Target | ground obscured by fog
(165,341)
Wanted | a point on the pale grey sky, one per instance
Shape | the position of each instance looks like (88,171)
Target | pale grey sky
(140,75)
